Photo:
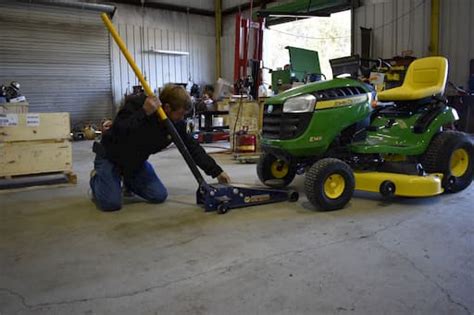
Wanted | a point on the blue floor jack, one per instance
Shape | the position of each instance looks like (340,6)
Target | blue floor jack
(221,197)
(213,197)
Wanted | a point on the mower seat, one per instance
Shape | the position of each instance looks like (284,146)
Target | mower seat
(425,77)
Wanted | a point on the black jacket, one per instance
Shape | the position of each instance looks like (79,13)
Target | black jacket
(134,136)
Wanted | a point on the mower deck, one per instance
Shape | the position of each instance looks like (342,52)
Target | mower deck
(399,184)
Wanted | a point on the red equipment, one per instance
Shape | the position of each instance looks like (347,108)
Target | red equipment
(246,143)
(243,27)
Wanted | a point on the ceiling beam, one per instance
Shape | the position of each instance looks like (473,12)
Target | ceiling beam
(246,6)
(166,6)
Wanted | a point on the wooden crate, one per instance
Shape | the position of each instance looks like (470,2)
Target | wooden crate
(34,126)
(35,157)
(248,115)
(14,108)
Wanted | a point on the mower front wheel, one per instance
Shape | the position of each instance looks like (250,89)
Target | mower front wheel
(329,184)
(274,172)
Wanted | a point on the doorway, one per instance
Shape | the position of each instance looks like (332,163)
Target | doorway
(329,36)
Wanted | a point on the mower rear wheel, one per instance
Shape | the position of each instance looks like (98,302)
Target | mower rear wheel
(329,184)
(451,153)
(274,172)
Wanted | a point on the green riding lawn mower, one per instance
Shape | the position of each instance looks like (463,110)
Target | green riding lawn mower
(344,137)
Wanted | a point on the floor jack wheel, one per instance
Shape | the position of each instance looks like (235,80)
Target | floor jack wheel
(222,208)
(293,196)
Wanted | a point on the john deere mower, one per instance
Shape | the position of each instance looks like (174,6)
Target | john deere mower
(343,137)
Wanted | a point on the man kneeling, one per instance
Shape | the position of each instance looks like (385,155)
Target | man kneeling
(136,133)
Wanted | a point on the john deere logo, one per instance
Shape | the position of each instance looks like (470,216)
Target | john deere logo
(315,139)
(343,102)
(270,109)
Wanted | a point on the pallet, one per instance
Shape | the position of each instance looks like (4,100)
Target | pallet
(37,181)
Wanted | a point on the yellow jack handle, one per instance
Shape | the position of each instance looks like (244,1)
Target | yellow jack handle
(130,60)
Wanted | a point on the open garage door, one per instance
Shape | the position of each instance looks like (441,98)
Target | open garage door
(329,36)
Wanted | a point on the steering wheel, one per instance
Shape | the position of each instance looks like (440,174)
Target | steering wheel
(374,66)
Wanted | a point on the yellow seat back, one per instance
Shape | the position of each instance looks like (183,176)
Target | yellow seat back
(425,77)
(427,72)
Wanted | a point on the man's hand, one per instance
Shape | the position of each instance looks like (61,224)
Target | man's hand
(151,105)
(106,125)
(223,178)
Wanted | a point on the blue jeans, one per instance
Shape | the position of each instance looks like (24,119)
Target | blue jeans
(107,188)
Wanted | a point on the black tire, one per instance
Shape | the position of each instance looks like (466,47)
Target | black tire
(293,196)
(266,175)
(317,176)
(387,189)
(437,159)
(222,208)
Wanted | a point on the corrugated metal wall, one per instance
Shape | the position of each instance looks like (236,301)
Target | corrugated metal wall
(228,46)
(397,25)
(457,37)
(60,57)
(405,25)
(143,30)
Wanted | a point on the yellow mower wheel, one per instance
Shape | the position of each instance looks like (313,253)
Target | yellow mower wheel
(275,172)
(329,184)
(459,162)
(334,186)
(279,169)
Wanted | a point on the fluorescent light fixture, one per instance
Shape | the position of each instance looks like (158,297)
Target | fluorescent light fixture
(169,52)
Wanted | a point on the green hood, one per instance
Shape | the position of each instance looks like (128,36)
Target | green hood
(313,87)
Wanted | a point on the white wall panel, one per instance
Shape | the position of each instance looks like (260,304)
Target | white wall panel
(228,47)
(143,30)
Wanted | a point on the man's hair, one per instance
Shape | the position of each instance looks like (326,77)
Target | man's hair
(176,97)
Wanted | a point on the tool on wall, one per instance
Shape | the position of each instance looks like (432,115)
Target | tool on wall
(213,197)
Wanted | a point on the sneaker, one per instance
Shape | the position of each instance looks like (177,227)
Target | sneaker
(127,193)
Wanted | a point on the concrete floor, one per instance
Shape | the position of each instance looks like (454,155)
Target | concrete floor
(60,255)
